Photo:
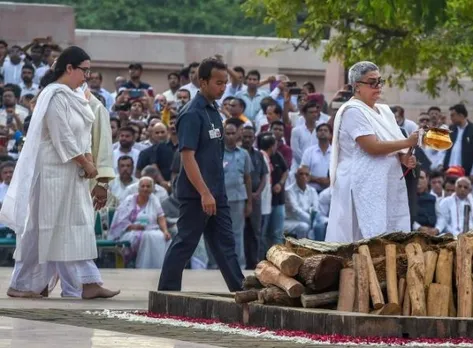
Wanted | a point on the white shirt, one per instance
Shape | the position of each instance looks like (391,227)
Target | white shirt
(138,146)
(435,157)
(3,191)
(301,140)
(192,89)
(451,214)
(116,154)
(11,72)
(325,197)
(317,162)
(439,198)
(20,110)
(231,91)
(159,191)
(456,154)
(34,89)
(409,126)
(301,203)
(109,100)
(118,188)
(297,119)
(39,72)
(266,195)
(170,97)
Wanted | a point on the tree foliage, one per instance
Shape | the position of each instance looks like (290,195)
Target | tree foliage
(218,17)
(410,36)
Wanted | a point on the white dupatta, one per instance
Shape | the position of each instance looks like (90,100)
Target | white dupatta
(384,125)
(16,203)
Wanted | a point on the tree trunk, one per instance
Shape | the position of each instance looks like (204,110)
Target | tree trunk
(346,290)
(320,272)
(319,300)
(391,273)
(251,282)
(388,309)
(362,298)
(438,300)
(430,261)
(246,296)
(401,290)
(464,287)
(275,296)
(415,279)
(406,305)
(444,276)
(284,259)
(375,290)
(268,274)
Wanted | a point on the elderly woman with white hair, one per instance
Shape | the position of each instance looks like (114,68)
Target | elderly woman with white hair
(368,148)
(140,220)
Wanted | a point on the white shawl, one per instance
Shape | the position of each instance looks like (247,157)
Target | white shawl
(384,125)
(16,203)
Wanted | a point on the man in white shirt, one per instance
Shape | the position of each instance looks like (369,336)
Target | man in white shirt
(124,179)
(171,93)
(408,125)
(12,65)
(302,209)
(126,136)
(193,86)
(37,54)
(317,158)
(436,185)
(6,173)
(10,107)
(95,85)
(451,216)
(27,85)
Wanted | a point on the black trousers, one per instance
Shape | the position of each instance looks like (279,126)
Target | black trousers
(252,235)
(217,233)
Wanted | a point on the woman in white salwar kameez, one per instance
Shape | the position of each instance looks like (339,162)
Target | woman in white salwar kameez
(368,197)
(140,220)
(48,203)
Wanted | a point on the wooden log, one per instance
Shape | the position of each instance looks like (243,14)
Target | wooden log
(388,309)
(464,288)
(406,305)
(375,290)
(391,273)
(251,282)
(346,289)
(401,290)
(268,274)
(319,300)
(415,279)
(276,296)
(438,300)
(321,272)
(430,261)
(362,297)
(284,259)
(444,276)
(246,296)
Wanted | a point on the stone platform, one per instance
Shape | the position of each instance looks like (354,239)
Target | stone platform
(316,321)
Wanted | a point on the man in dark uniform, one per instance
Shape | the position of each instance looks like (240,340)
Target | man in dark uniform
(200,186)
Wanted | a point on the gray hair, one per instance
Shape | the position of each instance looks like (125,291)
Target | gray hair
(358,70)
(150,171)
(146,178)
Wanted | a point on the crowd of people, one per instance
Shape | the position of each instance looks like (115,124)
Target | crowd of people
(278,140)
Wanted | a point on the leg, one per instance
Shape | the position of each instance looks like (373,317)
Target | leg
(276,225)
(263,248)
(153,246)
(319,227)
(252,235)
(190,226)
(299,229)
(219,235)
(237,214)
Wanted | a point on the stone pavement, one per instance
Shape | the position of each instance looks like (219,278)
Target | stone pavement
(135,285)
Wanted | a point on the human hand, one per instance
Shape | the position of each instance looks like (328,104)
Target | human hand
(208,204)
(271,79)
(248,208)
(277,188)
(167,235)
(256,196)
(409,161)
(413,139)
(90,170)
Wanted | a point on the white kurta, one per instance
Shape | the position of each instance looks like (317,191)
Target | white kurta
(450,217)
(64,218)
(368,198)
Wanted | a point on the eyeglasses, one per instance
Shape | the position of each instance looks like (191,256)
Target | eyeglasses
(374,83)
(86,71)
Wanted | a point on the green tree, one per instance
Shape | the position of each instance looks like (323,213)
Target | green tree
(410,36)
(218,17)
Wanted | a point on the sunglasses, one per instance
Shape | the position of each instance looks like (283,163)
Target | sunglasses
(374,83)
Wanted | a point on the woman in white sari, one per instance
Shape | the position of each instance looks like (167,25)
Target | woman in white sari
(140,220)
(368,147)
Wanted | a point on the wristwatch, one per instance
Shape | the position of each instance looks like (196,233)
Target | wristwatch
(103,185)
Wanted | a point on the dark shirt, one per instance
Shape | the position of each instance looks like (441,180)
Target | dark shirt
(287,132)
(142,85)
(286,152)
(259,168)
(161,154)
(279,167)
(194,123)
(426,215)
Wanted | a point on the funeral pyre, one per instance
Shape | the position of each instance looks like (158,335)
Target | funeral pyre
(411,274)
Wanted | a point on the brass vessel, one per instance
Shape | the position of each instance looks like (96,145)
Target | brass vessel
(438,139)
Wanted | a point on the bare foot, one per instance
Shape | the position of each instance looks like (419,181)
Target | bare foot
(22,294)
(91,291)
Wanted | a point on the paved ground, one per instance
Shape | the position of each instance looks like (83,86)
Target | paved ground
(135,285)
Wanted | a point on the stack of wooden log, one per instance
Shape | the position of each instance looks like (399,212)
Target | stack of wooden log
(415,275)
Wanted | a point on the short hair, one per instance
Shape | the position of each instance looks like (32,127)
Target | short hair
(228,98)
(193,65)
(184,72)
(174,73)
(116,120)
(209,64)
(277,108)
(144,178)
(241,102)
(127,129)
(37,47)
(239,69)
(310,104)
(185,90)
(265,141)
(4,43)
(28,97)
(277,123)
(460,109)
(15,89)
(150,171)
(234,121)
(436,108)
(436,174)
(28,66)
(324,125)
(254,73)
(154,117)
(463,179)
(7,164)
(310,86)
(360,69)
(449,180)
(98,73)
(248,127)
(126,158)
(265,102)
(399,109)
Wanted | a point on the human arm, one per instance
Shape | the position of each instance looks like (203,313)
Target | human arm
(163,226)
(296,146)
(286,108)
(294,207)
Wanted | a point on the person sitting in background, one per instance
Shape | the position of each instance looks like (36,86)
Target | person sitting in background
(152,172)
(140,220)
(449,186)
(426,216)
(277,128)
(437,181)
(126,136)
(124,179)
(302,209)
(450,217)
